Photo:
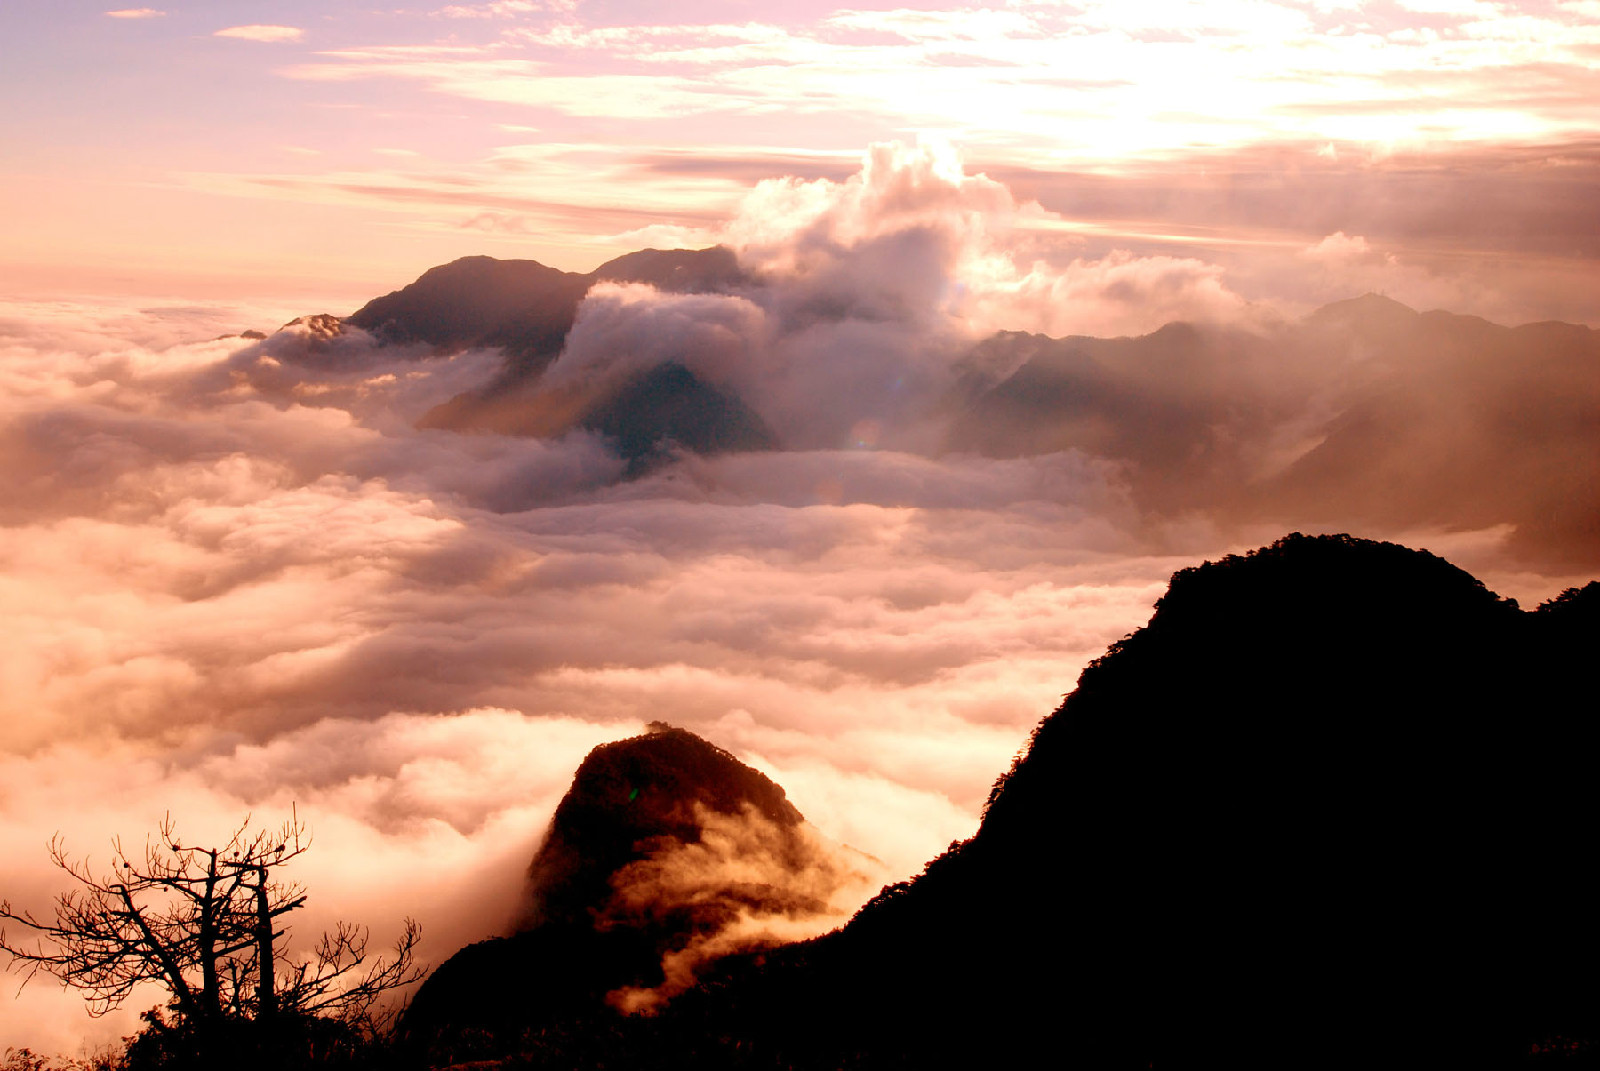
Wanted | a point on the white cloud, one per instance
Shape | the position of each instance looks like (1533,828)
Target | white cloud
(1339,246)
(1046,82)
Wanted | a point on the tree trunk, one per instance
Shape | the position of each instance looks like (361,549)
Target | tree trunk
(266,995)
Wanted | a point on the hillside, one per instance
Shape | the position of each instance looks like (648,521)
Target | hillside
(1322,811)
(665,853)
(1327,809)
(1365,414)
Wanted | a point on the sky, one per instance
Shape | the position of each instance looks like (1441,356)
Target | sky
(337,149)
(238,577)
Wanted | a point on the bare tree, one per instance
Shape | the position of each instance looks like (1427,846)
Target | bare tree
(205,924)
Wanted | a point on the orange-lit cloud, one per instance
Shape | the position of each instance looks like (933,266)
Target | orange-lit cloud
(264,34)
(995,77)
(1322,106)
(807,887)
(136,13)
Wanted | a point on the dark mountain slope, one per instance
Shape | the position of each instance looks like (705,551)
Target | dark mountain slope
(623,798)
(663,843)
(646,415)
(520,305)
(1328,809)
(668,406)
(527,309)
(524,306)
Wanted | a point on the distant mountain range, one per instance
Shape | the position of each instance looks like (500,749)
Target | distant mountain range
(1366,413)
(526,309)
(1331,808)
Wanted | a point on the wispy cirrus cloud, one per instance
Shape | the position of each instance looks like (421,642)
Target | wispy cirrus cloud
(264,34)
(136,13)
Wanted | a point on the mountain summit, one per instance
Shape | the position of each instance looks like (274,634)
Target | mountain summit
(1324,810)
(526,307)
(665,854)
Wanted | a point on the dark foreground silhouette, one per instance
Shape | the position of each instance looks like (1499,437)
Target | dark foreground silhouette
(663,845)
(1332,807)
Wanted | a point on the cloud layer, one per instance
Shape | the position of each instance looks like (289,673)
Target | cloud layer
(242,578)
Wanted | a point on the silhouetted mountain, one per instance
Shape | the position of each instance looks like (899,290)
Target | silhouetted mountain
(624,798)
(524,306)
(1329,808)
(663,845)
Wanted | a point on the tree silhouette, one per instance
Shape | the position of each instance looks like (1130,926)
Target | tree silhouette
(205,923)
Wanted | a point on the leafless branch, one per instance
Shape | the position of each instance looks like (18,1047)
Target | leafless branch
(201,922)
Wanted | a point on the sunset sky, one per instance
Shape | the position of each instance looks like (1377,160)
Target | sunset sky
(241,149)
(236,579)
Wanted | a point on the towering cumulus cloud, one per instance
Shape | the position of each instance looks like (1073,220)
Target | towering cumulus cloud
(866,293)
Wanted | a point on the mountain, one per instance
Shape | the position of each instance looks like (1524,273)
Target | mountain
(1328,809)
(524,306)
(664,854)
(1366,412)
(646,415)
(520,305)
(668,407)
(527,309)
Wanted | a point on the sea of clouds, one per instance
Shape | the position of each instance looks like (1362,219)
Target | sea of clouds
(238,578)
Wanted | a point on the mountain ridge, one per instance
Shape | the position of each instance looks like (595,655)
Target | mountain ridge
(1364,414)
(1314,814)
(665,853)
